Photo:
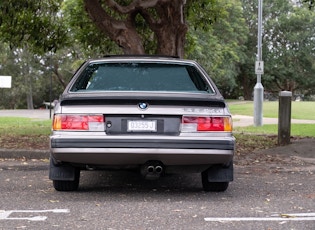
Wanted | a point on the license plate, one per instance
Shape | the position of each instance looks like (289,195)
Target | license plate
(142,126)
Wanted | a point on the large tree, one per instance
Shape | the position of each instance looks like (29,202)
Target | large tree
(35,24)
(28,82)
(139,27)
(165,18)
(129,24)
(220,49)
(288,47)
(311,3)
(53,32)
(290,51)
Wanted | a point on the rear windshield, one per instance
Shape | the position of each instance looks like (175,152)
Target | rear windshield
(141,77)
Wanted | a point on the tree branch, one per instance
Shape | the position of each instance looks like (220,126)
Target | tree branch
(123,33)
(102,20)
(58,75)
(134,6)
(153,24)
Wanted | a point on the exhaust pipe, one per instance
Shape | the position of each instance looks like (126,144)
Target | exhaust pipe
(90,168)
(158,169)
(152,170)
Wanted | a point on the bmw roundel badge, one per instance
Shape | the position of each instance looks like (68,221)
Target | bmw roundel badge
(143,105)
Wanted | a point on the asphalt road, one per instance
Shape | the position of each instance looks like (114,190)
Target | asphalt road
(29,113)
(263,196)
(260,198)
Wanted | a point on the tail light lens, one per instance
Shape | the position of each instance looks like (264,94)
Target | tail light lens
(71,122)
(206,124)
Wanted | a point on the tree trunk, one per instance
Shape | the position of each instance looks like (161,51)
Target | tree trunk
(28,85)
(164,17)
(171,44)
(29,100)
(29,91)
(122,32)
(59,76)
(171,27)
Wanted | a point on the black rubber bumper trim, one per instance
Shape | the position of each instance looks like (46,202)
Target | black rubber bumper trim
(163,144)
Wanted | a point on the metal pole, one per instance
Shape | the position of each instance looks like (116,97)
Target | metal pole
(284,120)
(259,89)
(50,95)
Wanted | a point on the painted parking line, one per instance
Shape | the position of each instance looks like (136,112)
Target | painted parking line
(5,215)
(276,217)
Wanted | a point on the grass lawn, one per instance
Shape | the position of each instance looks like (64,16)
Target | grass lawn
(300,110)
(304,110)
(301,130)
(24,126)
(24,133)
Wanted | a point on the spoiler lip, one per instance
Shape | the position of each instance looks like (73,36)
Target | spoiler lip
(142,95)
(152,99)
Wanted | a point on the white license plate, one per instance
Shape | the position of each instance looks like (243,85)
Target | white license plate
(142,126)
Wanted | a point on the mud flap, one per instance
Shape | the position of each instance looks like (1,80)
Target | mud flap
(219,173)
(61,172)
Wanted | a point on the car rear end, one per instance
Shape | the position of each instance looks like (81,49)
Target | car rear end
(156,115)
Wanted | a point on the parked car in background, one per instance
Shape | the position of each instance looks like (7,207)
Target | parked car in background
(157,115)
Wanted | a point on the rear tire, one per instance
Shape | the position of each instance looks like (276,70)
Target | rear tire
(66,185)
(64,177)
(212,186)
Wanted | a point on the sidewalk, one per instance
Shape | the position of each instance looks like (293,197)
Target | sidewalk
(29,113)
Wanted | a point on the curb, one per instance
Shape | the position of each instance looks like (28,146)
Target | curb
(22,153)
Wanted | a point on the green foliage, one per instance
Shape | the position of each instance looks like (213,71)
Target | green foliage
(203,13)
(288,48)
(31,76)
(220,49)
(36,24)
(291,51)
(309,3)
(16,64)
(94,43)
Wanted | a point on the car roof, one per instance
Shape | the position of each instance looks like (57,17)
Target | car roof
(150,58)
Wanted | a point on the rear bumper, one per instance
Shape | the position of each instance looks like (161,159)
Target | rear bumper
(139,151)
(135,156)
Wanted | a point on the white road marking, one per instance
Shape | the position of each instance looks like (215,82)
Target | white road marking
(5,215)
(276,217)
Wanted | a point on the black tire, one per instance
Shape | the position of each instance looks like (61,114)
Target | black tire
(212,186)
(66,185)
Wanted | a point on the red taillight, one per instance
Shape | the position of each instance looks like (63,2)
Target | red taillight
(206,124)
(78,122)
